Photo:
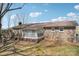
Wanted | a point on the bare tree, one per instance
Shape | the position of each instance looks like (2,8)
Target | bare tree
(21,18)
(4,8)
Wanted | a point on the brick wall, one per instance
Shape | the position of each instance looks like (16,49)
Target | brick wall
(66,35)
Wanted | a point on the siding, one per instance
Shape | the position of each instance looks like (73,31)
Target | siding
(30,34)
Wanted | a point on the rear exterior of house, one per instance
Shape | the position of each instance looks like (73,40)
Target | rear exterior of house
(60,30)
(32,35)
(60,33)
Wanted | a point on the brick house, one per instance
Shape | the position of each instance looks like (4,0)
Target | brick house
(64,30)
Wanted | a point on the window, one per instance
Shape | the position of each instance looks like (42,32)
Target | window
(61,29)
(40,34)
(28,34)
(57,29)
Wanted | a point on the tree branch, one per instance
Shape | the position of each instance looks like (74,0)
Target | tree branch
(1,7)
(9,6)
(4,9)
(3,13)
(15,8)
(8,9)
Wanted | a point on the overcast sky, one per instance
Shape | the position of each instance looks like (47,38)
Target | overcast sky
(35,13)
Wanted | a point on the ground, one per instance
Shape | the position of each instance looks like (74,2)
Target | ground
(24,48)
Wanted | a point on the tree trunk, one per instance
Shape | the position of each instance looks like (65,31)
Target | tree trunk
(0,30)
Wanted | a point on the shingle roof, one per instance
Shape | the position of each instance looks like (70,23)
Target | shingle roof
(47,24)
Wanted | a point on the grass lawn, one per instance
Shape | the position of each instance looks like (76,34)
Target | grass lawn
(43,49)
(61,50)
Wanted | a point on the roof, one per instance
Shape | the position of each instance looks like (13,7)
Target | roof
(35,26)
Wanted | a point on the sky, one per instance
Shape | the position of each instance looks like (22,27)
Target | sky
(41,12)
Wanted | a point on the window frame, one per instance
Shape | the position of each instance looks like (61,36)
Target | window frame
(60,29)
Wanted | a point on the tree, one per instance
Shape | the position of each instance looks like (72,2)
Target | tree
(4,8)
